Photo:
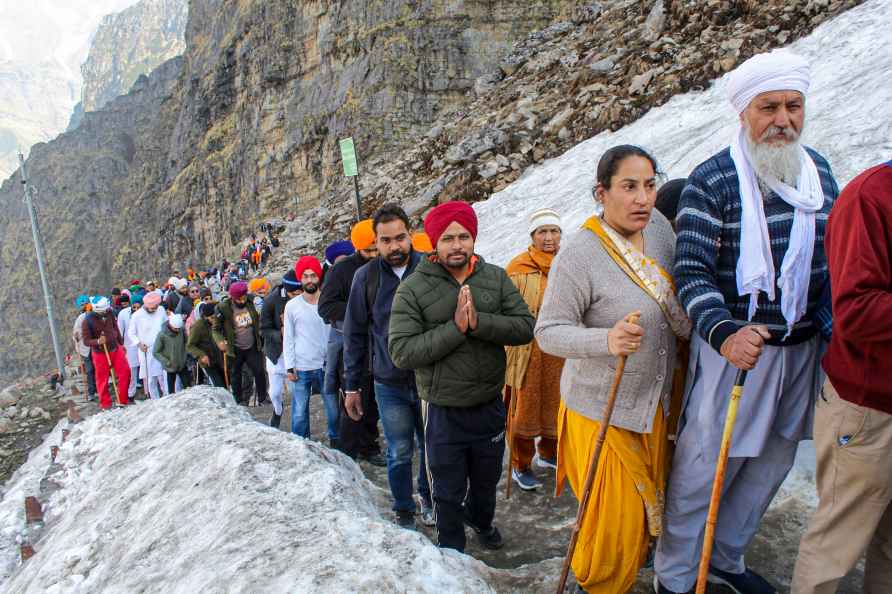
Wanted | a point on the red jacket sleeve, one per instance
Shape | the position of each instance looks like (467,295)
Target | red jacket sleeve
(858,254)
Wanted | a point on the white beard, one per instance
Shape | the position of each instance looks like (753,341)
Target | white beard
(778,161)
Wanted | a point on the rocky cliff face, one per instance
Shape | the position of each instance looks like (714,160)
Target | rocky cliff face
(131,43)
(244,124)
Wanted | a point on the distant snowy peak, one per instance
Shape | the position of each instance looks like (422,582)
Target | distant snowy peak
(847,120)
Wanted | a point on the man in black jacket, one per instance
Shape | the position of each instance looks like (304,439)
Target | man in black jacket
(357,439)
(271,332)
(366,330)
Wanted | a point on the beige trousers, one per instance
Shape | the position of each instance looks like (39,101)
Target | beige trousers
(854,515)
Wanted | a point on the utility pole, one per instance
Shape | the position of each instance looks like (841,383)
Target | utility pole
(41,265)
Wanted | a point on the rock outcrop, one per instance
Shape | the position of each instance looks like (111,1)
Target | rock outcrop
(129,44)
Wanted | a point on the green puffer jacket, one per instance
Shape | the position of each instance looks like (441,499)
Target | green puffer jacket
(451,368)
(170,349)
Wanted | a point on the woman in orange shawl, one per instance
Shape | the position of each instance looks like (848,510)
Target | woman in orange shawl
(533,378)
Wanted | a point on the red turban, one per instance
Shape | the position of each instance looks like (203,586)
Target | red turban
(307,263)
(444,215)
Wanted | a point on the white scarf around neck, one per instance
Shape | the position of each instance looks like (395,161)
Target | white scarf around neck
(755,266)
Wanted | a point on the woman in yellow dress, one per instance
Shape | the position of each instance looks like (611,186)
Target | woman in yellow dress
(615,267)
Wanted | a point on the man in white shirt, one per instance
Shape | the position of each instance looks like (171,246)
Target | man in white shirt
(132,350)
(143,329)
(305,339)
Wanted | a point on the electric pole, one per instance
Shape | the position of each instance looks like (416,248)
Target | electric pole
(41,265)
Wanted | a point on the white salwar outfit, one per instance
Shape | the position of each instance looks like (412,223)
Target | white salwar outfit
(144,328)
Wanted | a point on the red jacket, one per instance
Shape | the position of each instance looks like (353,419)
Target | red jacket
(95,326)
(859,253)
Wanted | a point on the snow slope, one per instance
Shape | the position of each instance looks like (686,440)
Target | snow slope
(848,119)
(191,494)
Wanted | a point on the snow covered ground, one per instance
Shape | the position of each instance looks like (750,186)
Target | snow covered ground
(848,119)
(191,494)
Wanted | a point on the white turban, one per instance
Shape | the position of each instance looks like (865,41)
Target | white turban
(779,70)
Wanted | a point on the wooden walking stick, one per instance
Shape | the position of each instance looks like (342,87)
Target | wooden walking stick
(226,372)
(593,464)
(509,435)
(721,466)
(112,371)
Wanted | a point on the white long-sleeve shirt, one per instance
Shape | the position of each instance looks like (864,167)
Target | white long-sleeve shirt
(305,335)
(123,324)
(144,328)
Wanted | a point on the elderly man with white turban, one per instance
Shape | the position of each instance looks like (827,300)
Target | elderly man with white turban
(751,272)
(143,330)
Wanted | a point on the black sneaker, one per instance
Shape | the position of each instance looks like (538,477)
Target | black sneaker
(406,519)
(275,421)
(374,459)
(661,589)
(490,537)
(748,582)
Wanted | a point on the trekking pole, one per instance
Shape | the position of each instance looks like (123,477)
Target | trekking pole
(509,434)
(113,375)
(593,465)
(721,466)
(226,372)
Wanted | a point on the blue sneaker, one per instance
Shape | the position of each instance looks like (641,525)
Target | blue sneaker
(526,480)
(748,582)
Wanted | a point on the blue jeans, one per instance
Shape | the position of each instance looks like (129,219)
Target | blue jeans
(400,410)
(310,382)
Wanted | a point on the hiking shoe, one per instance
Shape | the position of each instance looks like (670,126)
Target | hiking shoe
(546,462)
(490,539)
(526,480)
(427,513)
(661,589)
(374,459)
(275,421)
(748,582)
(406,519)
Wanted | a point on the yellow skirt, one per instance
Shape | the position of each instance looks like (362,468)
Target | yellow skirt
(625,507)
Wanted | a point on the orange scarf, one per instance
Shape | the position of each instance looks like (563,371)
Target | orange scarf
(531,262)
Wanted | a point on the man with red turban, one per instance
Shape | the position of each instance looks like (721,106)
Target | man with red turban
(451,321)
(305,336)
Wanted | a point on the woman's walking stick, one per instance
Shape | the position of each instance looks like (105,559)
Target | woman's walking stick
(593,465)
(721,466)
(112,371)
(509,435)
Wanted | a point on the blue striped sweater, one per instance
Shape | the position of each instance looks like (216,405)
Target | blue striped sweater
(708,228)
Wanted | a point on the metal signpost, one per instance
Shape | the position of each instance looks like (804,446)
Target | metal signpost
(351,169)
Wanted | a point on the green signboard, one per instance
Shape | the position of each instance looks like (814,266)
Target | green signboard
(348,157)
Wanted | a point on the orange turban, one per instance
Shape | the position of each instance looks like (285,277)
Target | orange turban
(258,284)
(363,235)
(421,242)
